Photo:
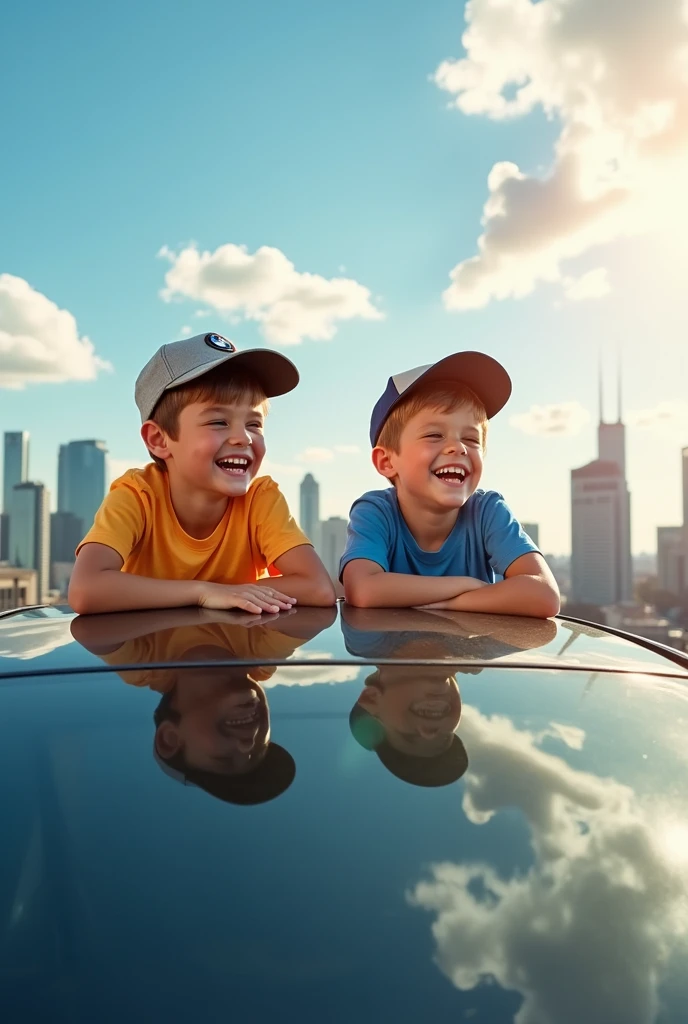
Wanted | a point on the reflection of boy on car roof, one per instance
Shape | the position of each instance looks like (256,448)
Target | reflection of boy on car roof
(408,714)
(212,723)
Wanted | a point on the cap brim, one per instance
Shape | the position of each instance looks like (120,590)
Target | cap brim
(486,378)
(276,374)
(428,772)
(268,780)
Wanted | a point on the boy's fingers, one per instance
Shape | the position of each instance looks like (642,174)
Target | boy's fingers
(247,605)
(266,604)
(277,595)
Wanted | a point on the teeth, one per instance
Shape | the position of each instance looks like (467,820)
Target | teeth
(451,470)
(237,461)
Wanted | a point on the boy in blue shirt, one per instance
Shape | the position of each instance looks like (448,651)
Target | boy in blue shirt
(434,539)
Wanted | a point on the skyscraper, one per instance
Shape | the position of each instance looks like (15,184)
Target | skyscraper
(81,479)
(16,463)
(309,518)
(66,531)
(601,566)
(333,533)
(29,539)
(15,471)
(670,559)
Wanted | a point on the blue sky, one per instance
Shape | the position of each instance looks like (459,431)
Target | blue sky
(323,131)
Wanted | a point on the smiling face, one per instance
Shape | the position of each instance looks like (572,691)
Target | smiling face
(219,447)
(418,708)
(439,461)
(221,721)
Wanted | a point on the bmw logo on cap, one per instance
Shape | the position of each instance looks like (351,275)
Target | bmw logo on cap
(218,342)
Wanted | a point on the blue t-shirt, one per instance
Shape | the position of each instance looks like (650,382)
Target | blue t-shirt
(483,543)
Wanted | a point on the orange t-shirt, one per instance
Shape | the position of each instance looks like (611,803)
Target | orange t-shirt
(138,521)
(172,644)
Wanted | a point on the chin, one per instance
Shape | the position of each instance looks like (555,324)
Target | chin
(235,488)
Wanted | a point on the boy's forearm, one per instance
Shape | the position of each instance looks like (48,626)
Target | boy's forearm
(113,590)
(315,592)
(402,590)
(518,595)
(119,627)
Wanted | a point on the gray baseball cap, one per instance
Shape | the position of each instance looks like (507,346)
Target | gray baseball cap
(182,361)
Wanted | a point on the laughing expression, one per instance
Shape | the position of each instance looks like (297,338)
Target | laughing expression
(440,459)
(220,447)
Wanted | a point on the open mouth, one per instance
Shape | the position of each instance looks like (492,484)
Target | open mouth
(243,717)
(234,465)
(432,710)
(453,476)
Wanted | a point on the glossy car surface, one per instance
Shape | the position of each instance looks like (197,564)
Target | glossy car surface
(340,816)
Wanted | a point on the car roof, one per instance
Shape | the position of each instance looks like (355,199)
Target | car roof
(339,815)
(52,639)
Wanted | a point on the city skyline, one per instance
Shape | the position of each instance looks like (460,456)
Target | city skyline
(610,441)
(445,179)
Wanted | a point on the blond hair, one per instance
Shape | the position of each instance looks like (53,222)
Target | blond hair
(444,398)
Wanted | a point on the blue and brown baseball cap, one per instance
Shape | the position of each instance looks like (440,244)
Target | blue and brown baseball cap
(486,378)
(183,361)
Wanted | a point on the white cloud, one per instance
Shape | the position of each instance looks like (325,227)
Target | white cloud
(593,285)
(186,331)
(585,933)
(564,419)
(313,676)
(667,418)
(347,449)
(571,735)
(614,75)
(39,342)
(17,641)
(313,455)
(266,287)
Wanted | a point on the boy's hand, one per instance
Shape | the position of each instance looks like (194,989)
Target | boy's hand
(250,597)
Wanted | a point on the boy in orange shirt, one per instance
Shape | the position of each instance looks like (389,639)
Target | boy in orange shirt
(197,526)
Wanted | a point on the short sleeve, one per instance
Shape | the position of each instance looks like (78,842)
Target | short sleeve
(119,522)
(504,538)
(273,525)
(368,535)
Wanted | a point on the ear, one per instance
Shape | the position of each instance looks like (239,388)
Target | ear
(383,460)
(369,700)
(155,440)
(167,740)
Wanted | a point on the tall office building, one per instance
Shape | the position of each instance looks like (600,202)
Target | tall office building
(81,479)
(4,536)
(533,531)
(309,518)
(670,559)
(16,463)
(66,531)
(601,565)
(15,471)
(29,540)
(333,541)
